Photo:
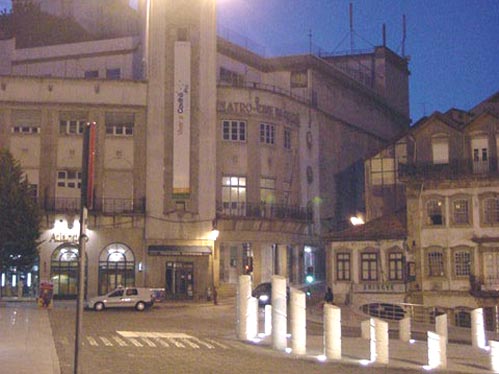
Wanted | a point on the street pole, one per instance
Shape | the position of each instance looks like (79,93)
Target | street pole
(87,179)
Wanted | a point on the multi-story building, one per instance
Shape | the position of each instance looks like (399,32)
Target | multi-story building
(445,172)
(194,133)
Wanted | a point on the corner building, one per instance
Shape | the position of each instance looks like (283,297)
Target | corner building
(194,134)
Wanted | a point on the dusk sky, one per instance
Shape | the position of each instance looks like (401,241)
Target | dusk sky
(453,44)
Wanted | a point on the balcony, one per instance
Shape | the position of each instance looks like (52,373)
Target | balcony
(102,205)
(455,169)
(263,211)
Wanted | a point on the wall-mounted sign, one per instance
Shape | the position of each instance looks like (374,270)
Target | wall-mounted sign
(63,238)
(256,107)
(182,118)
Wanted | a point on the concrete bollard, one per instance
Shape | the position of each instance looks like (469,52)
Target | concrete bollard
(365,329)
(441,326)
(405,329)
(380,338)
(437,351)
(268,320)
(494,356)
(478,338)
(298,314)
(243,296)
(279,313)
(252,319)
(332,332)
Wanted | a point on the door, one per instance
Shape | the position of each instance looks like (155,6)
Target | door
(179,280)
(480,150)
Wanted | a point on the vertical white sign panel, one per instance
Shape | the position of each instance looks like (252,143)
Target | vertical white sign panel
(182,118)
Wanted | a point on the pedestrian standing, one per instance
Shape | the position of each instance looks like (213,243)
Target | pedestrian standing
(329,297)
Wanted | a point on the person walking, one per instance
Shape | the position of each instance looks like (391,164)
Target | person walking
(329,297)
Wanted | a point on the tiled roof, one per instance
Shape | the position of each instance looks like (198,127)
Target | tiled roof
(392,226)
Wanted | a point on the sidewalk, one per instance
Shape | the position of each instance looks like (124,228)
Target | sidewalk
(26,341)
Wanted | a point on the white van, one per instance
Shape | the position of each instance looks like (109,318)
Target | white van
(123,297)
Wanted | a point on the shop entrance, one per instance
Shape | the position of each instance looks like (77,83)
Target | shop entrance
(179,280)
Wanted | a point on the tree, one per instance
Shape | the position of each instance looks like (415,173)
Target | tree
(19,216)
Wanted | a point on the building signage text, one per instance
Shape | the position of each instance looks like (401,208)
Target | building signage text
(258,108)
(64,238)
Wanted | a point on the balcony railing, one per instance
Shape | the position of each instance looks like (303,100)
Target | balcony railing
(102,205)
(452,170)
(266,211)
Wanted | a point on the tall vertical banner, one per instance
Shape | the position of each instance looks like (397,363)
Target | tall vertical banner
(182,119)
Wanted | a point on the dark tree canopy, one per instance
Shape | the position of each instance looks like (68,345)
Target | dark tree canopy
(19,216)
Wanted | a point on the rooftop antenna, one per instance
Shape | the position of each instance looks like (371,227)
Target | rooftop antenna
(351,28)
(403,35)
(310,41)
(384,34)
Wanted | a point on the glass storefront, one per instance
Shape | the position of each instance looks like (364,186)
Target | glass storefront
(64,271)
(18,283)
(116,268)
(179,280)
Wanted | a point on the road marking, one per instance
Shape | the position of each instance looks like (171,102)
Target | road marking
(217,343)
(106,341)
(135,342)
(120,341)
(145,334)
(162,343)
(149,342)
(177,344)
(188,342)
(207,345)
(92,341)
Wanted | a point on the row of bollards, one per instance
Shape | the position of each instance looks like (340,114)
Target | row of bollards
(373,329)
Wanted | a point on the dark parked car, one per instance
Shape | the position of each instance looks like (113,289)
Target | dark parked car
(263,292)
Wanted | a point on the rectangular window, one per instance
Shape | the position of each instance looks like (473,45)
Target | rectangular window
(382,171)
(113,73)
(462,264)
(69,178)
(287,138)
(89,74)
(435,264)
(369,266)
(72,127)
(267,190)
(120,124)
(396,266)
(267,133)
(234,131)
(440,150)
(26,129)
(491,211)
(343,266)
(460,212)
(434,213)
(234,195)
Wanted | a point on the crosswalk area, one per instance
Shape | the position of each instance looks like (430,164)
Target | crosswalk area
(141,339)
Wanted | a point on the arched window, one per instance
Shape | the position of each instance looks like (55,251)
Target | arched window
(64,271)
(116,268)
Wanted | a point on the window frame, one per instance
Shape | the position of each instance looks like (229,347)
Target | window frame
(369,258)
(485,214)
(463,217)
(234,128)
(267,133)
(435,261)
(234,206)
(67,181)
(455,263)
(287,138)
(344,272)
(397,273)
(429,221)
(77,124)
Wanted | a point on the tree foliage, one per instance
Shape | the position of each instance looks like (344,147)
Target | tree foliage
(19,216)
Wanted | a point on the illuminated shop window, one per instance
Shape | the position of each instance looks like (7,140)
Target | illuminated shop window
(116,268)
(64,271)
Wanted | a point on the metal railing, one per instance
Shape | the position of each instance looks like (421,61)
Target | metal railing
(103,205)
(452,170)
(265,211)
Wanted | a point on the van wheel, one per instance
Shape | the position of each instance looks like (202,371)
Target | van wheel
(99,307)
(140,306)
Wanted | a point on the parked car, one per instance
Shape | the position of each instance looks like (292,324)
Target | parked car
(123,297)
(263,292)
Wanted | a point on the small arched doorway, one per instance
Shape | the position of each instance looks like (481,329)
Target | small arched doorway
(116,267)
(64,271)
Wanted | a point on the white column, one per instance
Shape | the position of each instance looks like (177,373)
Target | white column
(365,328)
(298,322)
(405,329)
(478,338)
(279,313)
(252,319)
(381,342)
(494,356)
(243,296)
(268,320)
(437,351)
(441,326)
(332,331)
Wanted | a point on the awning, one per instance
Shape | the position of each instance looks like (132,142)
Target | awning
(178,250)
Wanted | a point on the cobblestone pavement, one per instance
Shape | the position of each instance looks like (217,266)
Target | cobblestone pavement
(176,338)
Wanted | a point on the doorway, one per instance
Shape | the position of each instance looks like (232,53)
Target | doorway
(179,280)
